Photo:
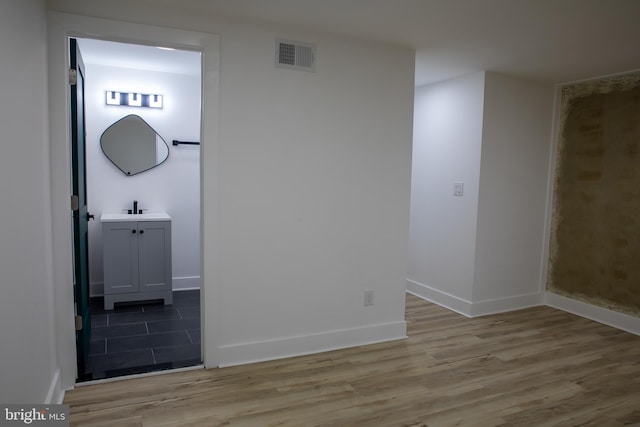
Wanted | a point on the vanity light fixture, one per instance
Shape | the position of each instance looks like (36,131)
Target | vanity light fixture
(133,99)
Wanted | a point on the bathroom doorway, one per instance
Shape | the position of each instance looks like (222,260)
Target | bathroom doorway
(142,334)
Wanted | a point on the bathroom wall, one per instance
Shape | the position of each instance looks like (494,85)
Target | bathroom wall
(172,187)
(595,242)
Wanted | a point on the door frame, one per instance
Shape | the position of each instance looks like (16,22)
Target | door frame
(60,28)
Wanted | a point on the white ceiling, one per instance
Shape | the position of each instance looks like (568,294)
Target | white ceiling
(125,55)
(550,40)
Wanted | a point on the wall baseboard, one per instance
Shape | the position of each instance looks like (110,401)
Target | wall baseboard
(186,283)
(605,316)
(260,351)
(476,308)
(443,299)
(612,318)
(55,395)
(501,305)
(96,289)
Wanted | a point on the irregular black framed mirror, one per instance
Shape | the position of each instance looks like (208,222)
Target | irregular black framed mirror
(133,146)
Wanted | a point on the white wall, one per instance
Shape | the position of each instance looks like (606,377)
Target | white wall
(314,195)
(28,372)
(446,149)
(173,187)
(482,252)
(513,189)
(305,189)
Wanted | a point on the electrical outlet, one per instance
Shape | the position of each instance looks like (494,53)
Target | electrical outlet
(458,189)
(368,298)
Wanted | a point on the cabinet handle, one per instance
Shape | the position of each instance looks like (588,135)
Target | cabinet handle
(133,231)
(141,231)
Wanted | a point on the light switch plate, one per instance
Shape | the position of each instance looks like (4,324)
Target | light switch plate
(368,298)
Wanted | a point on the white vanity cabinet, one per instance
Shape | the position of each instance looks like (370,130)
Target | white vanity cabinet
(137,258)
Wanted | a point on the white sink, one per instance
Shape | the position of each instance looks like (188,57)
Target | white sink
(151,216)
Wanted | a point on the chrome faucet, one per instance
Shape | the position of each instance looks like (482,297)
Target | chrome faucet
(135,207)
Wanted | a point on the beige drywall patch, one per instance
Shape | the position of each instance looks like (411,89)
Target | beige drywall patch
(595,235)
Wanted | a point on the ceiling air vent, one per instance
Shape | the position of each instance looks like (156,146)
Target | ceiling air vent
(295,55)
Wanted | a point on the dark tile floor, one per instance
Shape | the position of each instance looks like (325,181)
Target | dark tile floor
(144,337)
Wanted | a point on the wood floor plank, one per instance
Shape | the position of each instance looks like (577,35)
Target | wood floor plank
(532,367)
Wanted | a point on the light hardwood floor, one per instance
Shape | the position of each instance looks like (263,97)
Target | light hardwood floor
(532,367)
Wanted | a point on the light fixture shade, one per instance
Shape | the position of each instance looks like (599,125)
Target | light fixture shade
(155,101)
(113,98)
(135,100)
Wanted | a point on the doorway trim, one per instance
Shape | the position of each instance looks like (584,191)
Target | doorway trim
(60,27)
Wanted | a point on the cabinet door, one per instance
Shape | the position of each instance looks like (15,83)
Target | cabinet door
(154,239)
(120,245)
